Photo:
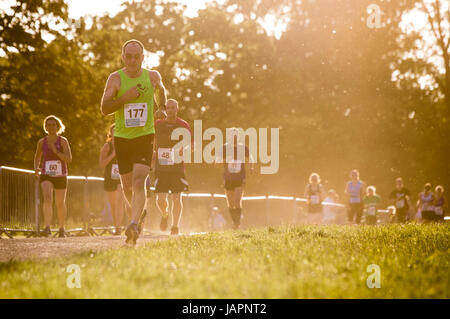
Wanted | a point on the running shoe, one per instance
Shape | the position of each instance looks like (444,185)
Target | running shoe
(174,230)
(164,220)
(46,232)
(62,233)
(132,234)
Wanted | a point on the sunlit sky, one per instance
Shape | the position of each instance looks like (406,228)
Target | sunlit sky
(413,20)
(79,8)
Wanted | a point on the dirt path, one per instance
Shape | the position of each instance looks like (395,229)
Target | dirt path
(42,248)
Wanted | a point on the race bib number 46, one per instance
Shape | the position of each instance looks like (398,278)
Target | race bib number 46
(115,171)
(166,156)
(135,114)
(53,168)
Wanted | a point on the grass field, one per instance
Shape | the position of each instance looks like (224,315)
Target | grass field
(282,262)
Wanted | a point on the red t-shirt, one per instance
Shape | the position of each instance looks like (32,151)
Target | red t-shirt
(164,155)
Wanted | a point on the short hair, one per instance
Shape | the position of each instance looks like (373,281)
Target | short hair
(173,100)
(311,177)
(58,122)
(428,186)
(132,41)
(439,187)
(399,179)
(373,188)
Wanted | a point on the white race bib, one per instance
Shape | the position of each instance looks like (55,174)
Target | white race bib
(371,210)
(166,156)
(400,203)
(314,199)
(234,166)
(53,168)
(115,171)
(135,114)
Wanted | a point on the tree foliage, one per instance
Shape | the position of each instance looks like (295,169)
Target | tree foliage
(343,94)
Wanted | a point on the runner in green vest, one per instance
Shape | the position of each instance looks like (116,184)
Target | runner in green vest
(130,94)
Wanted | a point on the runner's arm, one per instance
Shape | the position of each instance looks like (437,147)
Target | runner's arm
(306,191)
(66,154)
(104,158)
(323,195)
(109,104)
(37,158)
(160,90)
(363,190)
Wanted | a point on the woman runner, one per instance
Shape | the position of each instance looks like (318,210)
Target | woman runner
(55,152)
(111,184)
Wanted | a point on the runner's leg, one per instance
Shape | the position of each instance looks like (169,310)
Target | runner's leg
(162,203)
(119,206)
(138,197)
(47,194)
(359,211)
(127,187)
(60,199)
(238,192)
(163,206)
(177,208)
(112,199)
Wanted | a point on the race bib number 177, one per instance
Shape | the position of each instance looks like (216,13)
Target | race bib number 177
(135,114)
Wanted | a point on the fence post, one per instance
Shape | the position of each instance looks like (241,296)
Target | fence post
(267,210)
(1,195)
(86,217)
(186,211)
(211,203)
(294,207)
(37,202)
(1,198)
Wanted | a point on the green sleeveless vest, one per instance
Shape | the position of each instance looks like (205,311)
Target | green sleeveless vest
(135,118)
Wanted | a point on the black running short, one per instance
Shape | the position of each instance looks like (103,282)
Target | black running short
(230,185)
(167,181)
(110,185)
(316,208)
(59,182)
(430,215)
(138,150)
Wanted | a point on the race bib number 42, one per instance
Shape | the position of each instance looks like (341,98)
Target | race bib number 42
(53,168)
(135,114)
(115,171)
(166,156)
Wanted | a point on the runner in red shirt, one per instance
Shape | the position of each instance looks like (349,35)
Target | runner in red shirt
(169,175)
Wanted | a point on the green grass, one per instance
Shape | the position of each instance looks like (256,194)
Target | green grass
(282,262)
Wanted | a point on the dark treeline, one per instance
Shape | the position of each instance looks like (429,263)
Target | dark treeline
(327,83)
